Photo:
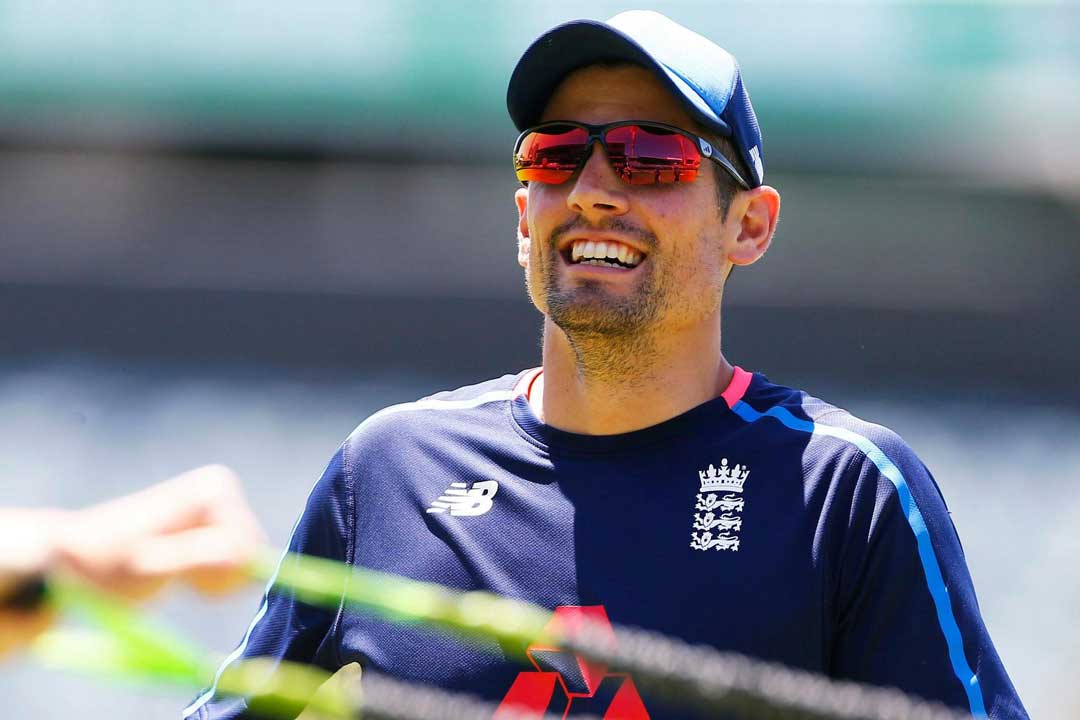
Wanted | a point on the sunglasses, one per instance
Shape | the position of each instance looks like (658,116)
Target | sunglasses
(641,153)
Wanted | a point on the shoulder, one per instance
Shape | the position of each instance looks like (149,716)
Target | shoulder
(869,473)
(440,410)
(827,429)
(500,388)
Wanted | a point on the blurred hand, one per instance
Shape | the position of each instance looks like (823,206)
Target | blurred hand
(25,551)
(196,527)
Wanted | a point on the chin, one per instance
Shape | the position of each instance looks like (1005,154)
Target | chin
(599,315)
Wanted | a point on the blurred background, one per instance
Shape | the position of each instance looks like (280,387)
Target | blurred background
(230,230)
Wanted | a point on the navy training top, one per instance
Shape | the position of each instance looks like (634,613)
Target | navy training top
(765,522)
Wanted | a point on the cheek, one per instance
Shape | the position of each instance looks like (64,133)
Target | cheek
(545,213)
(696,256)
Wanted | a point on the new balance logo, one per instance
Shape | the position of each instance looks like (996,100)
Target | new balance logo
(463,501)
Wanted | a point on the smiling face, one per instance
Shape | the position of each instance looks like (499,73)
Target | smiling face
(665,244)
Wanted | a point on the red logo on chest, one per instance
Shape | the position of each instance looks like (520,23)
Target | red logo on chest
(566,685)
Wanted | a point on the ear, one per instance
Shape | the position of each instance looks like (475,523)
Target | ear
(521,199)
(757,211)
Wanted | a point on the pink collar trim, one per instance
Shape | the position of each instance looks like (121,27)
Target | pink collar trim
(740,381)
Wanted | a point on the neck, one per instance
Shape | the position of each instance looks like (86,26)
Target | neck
(597,386)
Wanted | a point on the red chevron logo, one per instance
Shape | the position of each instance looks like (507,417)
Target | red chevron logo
(566,685)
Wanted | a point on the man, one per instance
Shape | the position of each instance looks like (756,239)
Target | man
(637,477)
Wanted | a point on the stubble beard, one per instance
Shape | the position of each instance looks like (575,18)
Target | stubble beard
(613,336)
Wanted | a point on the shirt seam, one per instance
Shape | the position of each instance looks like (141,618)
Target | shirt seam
(350,549)
(857,457)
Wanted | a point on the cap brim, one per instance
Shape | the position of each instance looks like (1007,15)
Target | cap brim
(576,44)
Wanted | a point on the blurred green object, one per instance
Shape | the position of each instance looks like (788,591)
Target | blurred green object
(859,80)
(478,615)
(129,643)
(105,654)
(127,646)
(273,688)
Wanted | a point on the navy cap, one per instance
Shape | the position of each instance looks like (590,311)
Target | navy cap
(697,70)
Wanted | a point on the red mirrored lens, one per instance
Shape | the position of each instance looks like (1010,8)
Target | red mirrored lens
(643,155)
(550,157)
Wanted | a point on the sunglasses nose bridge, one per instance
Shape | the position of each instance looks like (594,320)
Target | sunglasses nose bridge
(596,189)
(594,140)
(590,147)
(597,148)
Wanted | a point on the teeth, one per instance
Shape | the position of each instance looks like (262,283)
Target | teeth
(603,253)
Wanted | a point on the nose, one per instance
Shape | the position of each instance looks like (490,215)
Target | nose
(597,191)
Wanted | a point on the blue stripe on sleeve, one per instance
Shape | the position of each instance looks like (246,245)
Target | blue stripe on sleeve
(934,579)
